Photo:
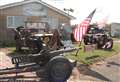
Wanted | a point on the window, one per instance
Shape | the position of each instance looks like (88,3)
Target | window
(15,21)
(53,22)
(10,21)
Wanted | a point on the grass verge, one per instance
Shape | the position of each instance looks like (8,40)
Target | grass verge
(93,56)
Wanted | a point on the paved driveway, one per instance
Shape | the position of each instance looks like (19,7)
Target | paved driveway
(104,71)
(110,68)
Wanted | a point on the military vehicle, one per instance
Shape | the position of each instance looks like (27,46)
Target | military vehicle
(26,41)
(30,39)
(100,37)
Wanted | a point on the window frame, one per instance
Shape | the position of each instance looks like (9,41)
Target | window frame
(13,24)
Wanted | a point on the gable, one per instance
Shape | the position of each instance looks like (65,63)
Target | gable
(34,9)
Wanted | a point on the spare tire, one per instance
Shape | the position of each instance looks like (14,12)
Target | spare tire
(59,69)
(109,44)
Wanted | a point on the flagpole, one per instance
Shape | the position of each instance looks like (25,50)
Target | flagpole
(78,49)
(84,24)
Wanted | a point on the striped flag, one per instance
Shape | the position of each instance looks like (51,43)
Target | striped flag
(81,28)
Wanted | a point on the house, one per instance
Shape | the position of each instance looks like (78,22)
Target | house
(16,14)
(115,29)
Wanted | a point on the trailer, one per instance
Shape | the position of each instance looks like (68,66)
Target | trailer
(57,67)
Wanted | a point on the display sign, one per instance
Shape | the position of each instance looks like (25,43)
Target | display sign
(34,9)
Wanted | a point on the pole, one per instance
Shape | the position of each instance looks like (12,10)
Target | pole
(78,49)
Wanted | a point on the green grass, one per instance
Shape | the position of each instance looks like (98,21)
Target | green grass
(93,56)
(8,45)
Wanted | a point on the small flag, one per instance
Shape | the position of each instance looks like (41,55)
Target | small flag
(81,28)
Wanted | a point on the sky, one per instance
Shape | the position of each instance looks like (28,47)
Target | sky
(107,10)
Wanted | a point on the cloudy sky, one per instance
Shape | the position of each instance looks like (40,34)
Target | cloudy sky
(106,9)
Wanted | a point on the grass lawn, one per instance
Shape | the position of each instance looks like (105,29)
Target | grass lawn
(93,56)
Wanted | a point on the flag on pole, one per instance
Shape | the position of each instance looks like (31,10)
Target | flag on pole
(81,28)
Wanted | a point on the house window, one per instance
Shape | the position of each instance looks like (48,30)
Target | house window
(10,21)
(15,21)
(53,22)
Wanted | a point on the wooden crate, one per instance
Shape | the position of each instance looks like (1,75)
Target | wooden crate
(89,48)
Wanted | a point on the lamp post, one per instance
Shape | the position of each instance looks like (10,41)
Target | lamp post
(68,10)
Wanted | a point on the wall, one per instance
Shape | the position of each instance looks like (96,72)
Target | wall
(61,18)
(115,29)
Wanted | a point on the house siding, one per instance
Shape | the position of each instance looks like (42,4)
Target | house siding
(12,11)
(61,18)
(6,34)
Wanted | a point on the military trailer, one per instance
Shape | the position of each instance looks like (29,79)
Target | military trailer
(57,67)
(98,36)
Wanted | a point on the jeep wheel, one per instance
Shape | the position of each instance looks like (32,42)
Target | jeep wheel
(109,44)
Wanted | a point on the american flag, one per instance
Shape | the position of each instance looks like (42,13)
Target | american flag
(81,28)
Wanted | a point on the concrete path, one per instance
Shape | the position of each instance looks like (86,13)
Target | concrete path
(105,71)
(110,68)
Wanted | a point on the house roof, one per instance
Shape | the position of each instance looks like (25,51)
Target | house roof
(38,1)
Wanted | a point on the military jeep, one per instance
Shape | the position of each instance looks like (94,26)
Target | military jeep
(100,37)
(32,37)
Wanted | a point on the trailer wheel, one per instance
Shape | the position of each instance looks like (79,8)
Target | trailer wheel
(59,69)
